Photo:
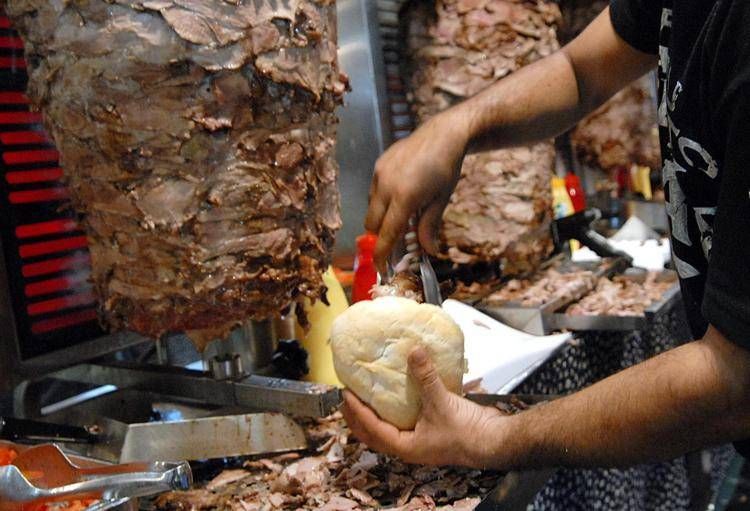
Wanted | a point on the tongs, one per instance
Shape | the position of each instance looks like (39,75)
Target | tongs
(44,473)
(420,264)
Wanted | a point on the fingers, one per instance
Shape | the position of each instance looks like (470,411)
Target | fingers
(429,226)
(423,371)
(369,428)
(393,227)
(376,210)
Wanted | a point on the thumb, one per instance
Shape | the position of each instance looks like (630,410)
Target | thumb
(421,368)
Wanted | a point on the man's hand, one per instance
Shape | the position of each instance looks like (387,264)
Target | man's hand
(449,430)
(416,174)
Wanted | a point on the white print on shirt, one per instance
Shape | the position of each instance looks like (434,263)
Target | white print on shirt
(677,209)
(710,168)
(666,18)
(691,157)
(705,228)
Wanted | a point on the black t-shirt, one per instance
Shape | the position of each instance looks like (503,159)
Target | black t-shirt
(704,122)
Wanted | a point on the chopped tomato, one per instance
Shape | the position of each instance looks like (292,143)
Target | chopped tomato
(72,505)
(7,455)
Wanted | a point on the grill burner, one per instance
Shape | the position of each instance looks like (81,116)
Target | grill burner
(46,255)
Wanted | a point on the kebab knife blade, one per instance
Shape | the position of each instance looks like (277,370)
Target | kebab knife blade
(213,437)
(36,431)
(196,439)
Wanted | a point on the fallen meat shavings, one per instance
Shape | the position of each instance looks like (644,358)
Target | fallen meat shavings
(622,296)
(226,477)
(360,480)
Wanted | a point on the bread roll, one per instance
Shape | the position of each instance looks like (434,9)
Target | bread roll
(371,341)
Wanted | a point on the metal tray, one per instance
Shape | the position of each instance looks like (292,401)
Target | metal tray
(559,320)
(539,320)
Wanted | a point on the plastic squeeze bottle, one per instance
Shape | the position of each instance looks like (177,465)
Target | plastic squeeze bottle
(316,341)
(365,274)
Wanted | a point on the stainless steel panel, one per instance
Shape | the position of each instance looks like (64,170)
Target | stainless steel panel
(363,132)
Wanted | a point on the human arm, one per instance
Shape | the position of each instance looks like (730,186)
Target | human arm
(691,397)
(539,101)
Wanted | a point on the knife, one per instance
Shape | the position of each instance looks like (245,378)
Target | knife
(25,430)
(212,437)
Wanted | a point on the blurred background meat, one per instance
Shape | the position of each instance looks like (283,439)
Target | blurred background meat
(197,140)
(544,287)
(622,296)
(502,205)
(623,132)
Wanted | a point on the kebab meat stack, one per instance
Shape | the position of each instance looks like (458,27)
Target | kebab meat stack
(502,205)
(622,132)
(198,145)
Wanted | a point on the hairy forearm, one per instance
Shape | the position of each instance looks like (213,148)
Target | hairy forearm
(535,103)
(548,97)
(686,399)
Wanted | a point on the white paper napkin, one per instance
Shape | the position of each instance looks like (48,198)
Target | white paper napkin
(498,354)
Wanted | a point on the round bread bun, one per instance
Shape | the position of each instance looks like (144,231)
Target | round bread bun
(371,341)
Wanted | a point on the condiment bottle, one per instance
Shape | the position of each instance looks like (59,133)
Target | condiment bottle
(365,274)
(316,340)
(575,190)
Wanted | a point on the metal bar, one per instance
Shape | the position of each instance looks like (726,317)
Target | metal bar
(289,396)
(253,392)
(171,381)
(80,352)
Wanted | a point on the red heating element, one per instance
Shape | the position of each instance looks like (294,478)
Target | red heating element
(54,262)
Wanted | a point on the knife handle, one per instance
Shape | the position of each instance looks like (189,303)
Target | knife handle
(36,431)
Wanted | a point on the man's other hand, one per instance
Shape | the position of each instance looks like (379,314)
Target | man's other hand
(450,430)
